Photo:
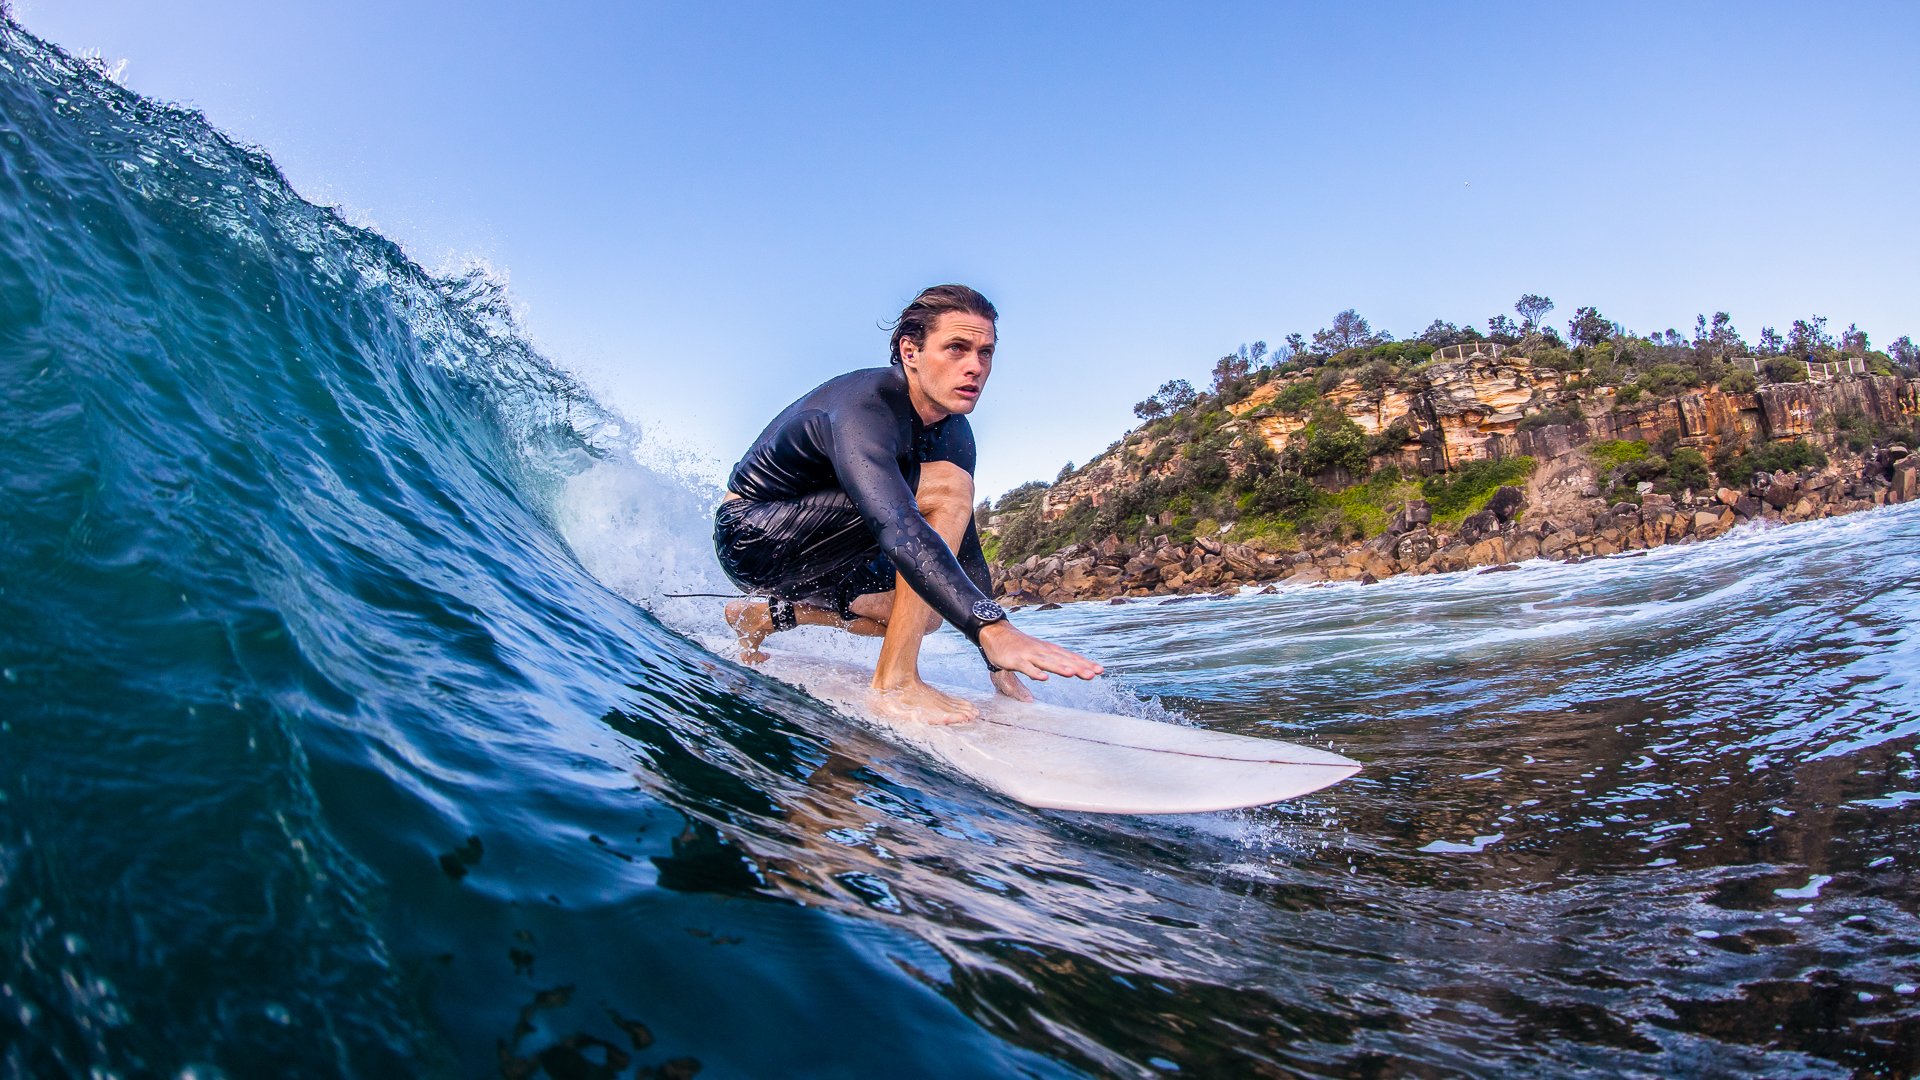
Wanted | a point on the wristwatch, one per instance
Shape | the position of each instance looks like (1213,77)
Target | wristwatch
(988,613)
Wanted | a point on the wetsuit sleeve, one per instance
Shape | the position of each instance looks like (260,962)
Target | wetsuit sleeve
(973,560)
(866,460)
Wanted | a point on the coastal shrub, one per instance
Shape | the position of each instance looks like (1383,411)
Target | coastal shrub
(1205,467)
(1391,438)
(1858,431)
(1739,381)
(1285,494)
(1611,454)
(1784,369)
(1299,397)
(1773,457)
(1687,469)
(1367,507)
(1628,395)
(1020,535)
(1329,379)
(1648,466)
(1557,358)
(1663,380)
(1330,440)
(1376,374)
(1018,498)
(1561,415)
(1455,495)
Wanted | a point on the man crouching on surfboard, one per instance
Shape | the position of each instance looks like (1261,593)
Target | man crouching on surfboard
(849,508)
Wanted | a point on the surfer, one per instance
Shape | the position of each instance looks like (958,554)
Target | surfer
(854,510)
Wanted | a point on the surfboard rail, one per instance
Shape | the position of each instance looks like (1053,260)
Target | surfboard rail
(1062,758)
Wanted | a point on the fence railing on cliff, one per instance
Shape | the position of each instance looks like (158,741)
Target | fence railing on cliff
(1469,350)
(1846,365)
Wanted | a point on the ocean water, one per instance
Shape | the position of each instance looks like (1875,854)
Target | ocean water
(346,729)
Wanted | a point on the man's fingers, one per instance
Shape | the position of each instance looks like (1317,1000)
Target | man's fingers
(1037,659)
(1072,665)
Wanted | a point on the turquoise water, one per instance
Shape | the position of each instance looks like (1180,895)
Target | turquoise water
(345,729)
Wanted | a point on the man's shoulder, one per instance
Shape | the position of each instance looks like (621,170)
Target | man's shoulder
(865,391)
(877,381)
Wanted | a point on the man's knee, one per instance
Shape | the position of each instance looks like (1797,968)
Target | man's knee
(944,486)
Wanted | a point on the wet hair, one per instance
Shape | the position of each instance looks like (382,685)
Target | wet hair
(926,309)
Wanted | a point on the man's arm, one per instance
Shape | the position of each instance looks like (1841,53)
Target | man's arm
(865,460)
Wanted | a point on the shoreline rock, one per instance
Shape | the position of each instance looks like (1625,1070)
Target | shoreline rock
(1515,526)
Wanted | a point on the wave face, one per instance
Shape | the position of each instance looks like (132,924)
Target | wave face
(341,734)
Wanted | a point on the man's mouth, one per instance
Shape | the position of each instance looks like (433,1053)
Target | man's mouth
(967,391)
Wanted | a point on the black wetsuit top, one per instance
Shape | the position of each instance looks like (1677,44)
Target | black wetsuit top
(859,434)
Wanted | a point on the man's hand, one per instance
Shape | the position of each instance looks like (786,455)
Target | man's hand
(1013,650)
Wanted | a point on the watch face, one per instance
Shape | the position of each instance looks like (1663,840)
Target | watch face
(988,611)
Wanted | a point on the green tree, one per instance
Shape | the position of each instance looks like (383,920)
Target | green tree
(1717,338)
(1531,308)
(1349,331)
(1229,370)
(1589,327)
(1173,395)
(1809,338)
(1853,341)
(1177,393)
(1905,353)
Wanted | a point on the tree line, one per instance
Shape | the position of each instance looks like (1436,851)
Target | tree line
(1807,340)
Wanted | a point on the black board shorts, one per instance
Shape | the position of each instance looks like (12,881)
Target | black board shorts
(813,550)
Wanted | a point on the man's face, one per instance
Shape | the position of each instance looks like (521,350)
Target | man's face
(947,374)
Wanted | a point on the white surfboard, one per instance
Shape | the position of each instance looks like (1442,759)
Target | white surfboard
(1071,759)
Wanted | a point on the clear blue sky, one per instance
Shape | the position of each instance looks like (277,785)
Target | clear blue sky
(705,209)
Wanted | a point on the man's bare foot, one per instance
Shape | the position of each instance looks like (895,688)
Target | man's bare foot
(752,623)
(1009,685)
(922,704)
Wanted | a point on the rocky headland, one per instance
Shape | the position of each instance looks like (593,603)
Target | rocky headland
(1589,471)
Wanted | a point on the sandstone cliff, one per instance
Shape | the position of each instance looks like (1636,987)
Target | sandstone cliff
(1483,408)
(1474,408)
